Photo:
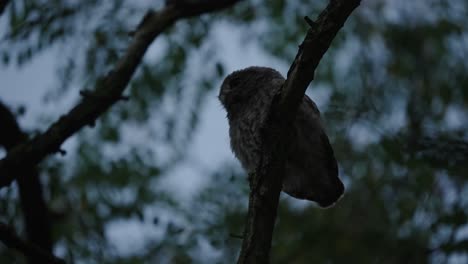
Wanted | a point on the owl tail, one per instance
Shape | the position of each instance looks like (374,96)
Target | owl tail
(318,187)
(314,177)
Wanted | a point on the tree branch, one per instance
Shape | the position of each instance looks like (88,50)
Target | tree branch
(3,4)
(33,205)
(9,237)
(111,87)
(264,195)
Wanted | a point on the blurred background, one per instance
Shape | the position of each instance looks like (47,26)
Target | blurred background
(155,181)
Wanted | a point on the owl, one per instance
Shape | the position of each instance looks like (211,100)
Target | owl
(311,170)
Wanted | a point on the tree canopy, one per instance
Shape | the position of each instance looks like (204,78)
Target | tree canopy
(391,89)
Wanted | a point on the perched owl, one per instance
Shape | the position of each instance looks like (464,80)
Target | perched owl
(311,167)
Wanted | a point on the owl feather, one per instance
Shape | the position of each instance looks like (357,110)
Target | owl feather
(311,170)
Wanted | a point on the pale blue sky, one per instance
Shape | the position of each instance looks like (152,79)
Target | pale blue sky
(27,85)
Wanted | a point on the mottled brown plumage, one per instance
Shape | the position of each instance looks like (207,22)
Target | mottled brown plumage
(311,167)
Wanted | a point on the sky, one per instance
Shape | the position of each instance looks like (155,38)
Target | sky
(28,84)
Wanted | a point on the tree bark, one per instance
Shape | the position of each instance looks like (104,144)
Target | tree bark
(34,208)
(267,180)
(108,90)
(9,237)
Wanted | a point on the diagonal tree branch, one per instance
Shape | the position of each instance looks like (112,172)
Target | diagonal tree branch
(264,195)
(9,237)
(108,89)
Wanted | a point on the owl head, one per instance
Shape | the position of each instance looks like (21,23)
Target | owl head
(242,86)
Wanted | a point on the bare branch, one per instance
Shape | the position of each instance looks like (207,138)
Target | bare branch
(111,87)
(264,195)
(35,212)
(311,51)
(9,237)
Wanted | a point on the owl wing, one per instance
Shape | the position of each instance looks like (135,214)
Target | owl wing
(311,167)
(245,128)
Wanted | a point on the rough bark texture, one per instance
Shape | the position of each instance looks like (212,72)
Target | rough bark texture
(107,91)
(35,212)
(264,195)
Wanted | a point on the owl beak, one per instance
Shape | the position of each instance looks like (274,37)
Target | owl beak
(221,97)
(222,92)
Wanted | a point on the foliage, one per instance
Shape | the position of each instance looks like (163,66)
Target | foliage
(396,75)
